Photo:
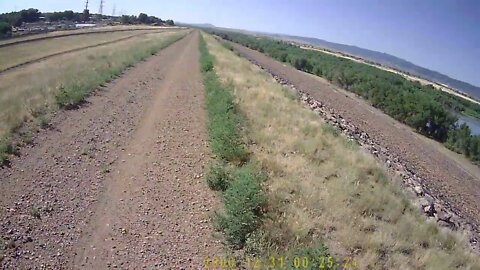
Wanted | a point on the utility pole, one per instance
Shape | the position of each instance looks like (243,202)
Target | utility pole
(114,9)
(86,5)
(100,11)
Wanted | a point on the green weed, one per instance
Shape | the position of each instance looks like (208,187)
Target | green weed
(242,193)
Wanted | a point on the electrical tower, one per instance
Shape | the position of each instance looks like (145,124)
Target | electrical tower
(100,10)
(86,5)
(114,9)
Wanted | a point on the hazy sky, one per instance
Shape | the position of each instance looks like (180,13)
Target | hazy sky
(443,35)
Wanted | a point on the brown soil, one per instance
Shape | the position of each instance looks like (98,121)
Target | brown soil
(446,175)
(118,182)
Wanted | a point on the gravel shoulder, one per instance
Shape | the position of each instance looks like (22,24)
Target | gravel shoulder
(119,181)
(446,175)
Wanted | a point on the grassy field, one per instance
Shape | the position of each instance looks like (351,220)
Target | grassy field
(79,32)
(326,197)
(21,53)
(32,92)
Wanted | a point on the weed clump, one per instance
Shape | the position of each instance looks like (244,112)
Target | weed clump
(218,178)
(6,149)
(244,201)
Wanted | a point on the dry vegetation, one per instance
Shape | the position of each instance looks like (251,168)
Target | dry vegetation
(323,189)
(30,93)
(21,53)
(80,32)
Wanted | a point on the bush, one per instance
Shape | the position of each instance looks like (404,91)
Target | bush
(244,201)
(5,30)
(218,177)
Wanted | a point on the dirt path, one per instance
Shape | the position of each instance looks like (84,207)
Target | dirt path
(447,176)
(118,182)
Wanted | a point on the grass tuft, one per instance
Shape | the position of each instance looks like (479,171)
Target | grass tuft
(244,201)
(218,177)
(6,149)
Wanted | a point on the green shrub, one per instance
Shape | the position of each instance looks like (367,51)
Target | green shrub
(244,201)
(218,177)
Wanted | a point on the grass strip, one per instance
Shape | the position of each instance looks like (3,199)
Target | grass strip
(232,172)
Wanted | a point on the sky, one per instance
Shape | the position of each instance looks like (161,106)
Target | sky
(442,35)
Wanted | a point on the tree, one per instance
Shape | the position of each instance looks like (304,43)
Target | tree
(86,15)
(64,15)
(170,22)
(125,19)
(143,18)
(17,18)
(30,15)
(5,30)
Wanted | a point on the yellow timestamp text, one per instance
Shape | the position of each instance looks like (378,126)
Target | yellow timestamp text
(281,262)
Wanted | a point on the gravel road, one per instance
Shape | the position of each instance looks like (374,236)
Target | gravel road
(117,183)
(451,180)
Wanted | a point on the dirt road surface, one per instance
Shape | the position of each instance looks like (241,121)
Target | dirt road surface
(451,178)
(119,182)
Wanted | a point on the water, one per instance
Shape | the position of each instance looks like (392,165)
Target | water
(473,123)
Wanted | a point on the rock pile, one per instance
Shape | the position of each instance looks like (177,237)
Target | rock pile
(433,207)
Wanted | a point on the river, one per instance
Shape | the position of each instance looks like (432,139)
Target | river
(473,123)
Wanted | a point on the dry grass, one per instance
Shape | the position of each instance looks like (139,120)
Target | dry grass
(21,53)
(82,31)
(323,188)
(28,92)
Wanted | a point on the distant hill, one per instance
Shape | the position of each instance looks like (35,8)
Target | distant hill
(199,25)
(384,59)
(388,60)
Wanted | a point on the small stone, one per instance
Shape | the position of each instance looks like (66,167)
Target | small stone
(418,190)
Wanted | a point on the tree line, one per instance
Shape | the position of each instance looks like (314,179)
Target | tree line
(431,112)
(143,18)
(17,18)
